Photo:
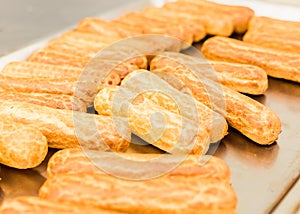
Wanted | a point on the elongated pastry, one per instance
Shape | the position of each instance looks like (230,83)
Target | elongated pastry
(77,49)
(36,205)
(37,85)
(74,161)
(152,26)
(167,194)
(274,33)
(56,101)
(88,38)
(161,93)
(21,146)
(107,28)
(279,64)
(164,129)
(25,69)
(239,77)
(214,23)
(240,14)
(107,104)
(252,119)
(58,58)
(36,70)
(68,129)
(198,29)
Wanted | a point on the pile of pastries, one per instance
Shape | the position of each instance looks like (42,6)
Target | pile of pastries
(44,103)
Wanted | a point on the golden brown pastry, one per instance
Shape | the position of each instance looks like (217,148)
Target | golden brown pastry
(153,26)
(58,58)
(163,94)
(274,33)
(239,14)
(107,28)
(25,69)
(167,194)
(198,29)
(37,85)
(36,205)
(107,104)
(74,161)
(21,146)
(65,128)
(214,23)
(239,77)
(56,101)
(88,38)
(158,126)
(252,119)
(279,64)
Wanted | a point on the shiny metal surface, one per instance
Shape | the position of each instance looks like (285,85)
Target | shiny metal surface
(261,175)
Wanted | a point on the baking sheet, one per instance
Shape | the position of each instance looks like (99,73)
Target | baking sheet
(261,175)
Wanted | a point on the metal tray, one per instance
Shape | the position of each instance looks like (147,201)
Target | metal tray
(261,175)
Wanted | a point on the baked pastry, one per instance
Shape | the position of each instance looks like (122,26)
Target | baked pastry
(156,125)
(37,85)
(155,13)
(274,33)
(167,194)
(161,93)
(25,69)
(214,23)
(56,101)
(153,26)
(75,161)
(279,64)
(239,77)
(22,146)
(67,129)
(36,205)
(252,119)
(240,15)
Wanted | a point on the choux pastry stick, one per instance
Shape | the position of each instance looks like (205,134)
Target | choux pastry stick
(107,28)
(158,126)
(214,23)
(177,102)
(88,38)
(37,85)
(252,119)
(279,64)
(274,33)
(167,194)
(153,26)
(36,205)
(240,14)
(74,161)
(56,101)
(25,69)
(21,146)
(68,129)
(239,77)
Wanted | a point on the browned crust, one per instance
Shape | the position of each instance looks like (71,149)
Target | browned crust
(74,161)
(153,26)
(240,15)
(279,64)
(239,77)
(274,33)
(58,126)
(187,194)
(21,146)
(254,120)
(56,101)
(36,205)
